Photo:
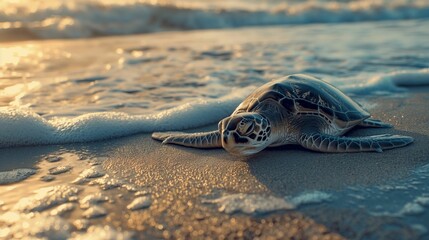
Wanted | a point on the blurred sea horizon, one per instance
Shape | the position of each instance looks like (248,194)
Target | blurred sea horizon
(53,19)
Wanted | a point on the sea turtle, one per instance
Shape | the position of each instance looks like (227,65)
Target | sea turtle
(296,109)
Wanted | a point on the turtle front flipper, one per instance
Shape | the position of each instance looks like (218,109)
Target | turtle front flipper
(327,143)
(196,140)
(375,123)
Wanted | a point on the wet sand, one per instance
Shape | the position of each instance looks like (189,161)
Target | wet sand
(178,179)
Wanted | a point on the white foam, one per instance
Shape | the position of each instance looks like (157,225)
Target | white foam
(415,207)
(15,175)
(95,212)
(93,172)
(250,203)
(106,182)
(391,82)
(92,199)
(79,19)
(412,208)
(140,203)
(46,198)
(311,198)
(23,128)
(422,200)
(59,170)
(62,209)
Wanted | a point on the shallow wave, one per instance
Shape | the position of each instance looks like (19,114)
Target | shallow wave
(77,19)
(390,82)
(25,128)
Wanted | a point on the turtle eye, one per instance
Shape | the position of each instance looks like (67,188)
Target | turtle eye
(246,128)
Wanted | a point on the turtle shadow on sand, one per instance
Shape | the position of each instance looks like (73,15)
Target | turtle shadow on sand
(292,169)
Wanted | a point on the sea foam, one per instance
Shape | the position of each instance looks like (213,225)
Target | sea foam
(391,82)
(46,198)
(25,128)
(250,203)
(80,19)
(314,197)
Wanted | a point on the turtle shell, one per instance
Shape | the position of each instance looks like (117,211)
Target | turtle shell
(303,94)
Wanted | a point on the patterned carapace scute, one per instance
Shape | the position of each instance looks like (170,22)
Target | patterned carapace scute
(311,96)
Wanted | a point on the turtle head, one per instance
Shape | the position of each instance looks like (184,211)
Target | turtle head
(245,134)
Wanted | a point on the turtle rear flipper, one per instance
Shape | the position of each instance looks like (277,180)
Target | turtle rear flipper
(375,123)
(327,143)
(196,140)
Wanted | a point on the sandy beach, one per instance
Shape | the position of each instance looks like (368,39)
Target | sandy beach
(178,180)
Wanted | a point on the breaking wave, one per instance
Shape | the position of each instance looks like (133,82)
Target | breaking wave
(25,128)
(83,19)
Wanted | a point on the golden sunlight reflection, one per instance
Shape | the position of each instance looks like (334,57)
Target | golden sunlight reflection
(20,89)
(11,56)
